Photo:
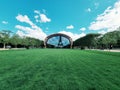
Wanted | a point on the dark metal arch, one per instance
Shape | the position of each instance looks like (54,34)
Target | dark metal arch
(58,34)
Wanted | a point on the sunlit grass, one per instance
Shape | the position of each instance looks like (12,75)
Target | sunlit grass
(59,69)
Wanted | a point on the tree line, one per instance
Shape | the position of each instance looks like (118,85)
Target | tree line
(99,41)
(12,40)
(91,41)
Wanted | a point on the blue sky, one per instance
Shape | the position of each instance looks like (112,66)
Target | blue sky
(76,18)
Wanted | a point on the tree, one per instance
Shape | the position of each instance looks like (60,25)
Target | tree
(33,42)
(111,38)
(25,42)
(15,40)
(90,40)
(5,37)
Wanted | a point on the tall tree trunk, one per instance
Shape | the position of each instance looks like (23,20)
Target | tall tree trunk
(4,45)
(15,46)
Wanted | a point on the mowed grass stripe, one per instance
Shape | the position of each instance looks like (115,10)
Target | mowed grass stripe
(59,69)
(98,73)
(90,58)
(106,67)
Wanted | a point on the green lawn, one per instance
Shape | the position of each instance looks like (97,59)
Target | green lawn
(59,69)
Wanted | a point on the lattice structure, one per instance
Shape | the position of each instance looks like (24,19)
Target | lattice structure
(60,41)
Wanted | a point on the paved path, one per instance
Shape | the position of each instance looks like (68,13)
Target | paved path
(3,49)
(113,50)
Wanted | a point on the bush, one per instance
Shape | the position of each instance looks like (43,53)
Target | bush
(82,48)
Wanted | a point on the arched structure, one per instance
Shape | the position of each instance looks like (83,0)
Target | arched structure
(60,38)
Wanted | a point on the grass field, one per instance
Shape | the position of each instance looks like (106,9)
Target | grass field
(59,69)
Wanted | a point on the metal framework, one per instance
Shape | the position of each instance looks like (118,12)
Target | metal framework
(60,40)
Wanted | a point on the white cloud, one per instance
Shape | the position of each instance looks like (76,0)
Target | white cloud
(44,18)
(88,10)
(32,31)
(24,18)
(36,17)
(40,17)
(4,22)
(37,11)
(102,32)
(109,20)
(20,33)
(73,35)
(23,28)
(83,29)
(70,27)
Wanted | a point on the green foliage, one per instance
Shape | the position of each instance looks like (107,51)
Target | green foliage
(89,40)
(32,42)
(15,40)
(5,37)
(97,40)
(111,37)
(59,69)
